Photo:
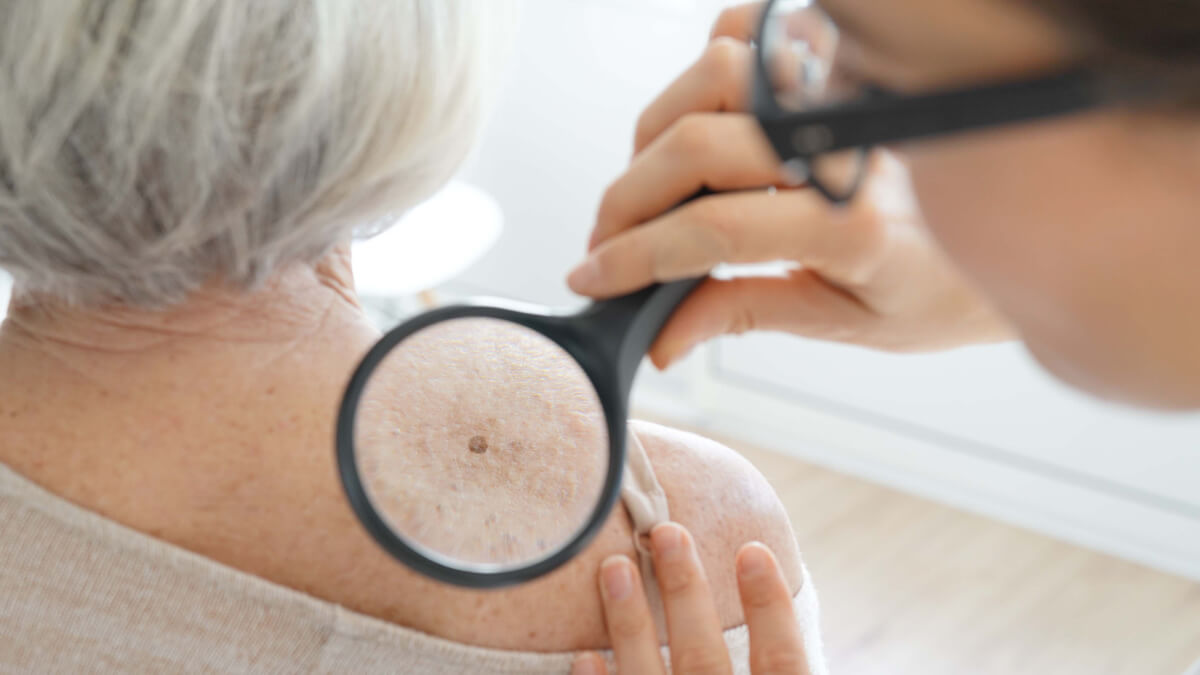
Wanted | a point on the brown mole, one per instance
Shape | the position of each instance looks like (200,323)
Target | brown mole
(477,445)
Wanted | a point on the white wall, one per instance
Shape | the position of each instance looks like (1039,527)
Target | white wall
(981,428)
(583,71)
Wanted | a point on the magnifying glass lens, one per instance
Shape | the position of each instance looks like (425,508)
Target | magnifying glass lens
(799,45)
(481,444)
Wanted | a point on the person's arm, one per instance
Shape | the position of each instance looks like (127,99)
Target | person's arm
(870,274)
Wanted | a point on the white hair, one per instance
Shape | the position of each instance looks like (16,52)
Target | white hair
(148,147)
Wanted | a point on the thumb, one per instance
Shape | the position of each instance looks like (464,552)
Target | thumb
(803,303)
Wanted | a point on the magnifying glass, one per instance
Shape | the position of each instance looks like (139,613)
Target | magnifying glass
(483,445)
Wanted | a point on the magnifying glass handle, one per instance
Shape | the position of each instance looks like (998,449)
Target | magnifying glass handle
(661,303)
(628,325)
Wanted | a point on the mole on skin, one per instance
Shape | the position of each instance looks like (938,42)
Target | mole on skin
(477,445)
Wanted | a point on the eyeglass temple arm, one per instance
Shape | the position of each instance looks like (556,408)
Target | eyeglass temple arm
(885,117)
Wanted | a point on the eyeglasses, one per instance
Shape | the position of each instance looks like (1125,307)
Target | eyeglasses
(823,126)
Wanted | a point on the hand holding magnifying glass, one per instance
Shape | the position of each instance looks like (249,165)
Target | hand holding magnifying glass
(484,503)
(870,273)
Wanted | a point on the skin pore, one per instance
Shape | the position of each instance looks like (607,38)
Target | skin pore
(209,425)
(1082,230)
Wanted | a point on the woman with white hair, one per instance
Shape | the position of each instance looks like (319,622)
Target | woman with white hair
(178,186)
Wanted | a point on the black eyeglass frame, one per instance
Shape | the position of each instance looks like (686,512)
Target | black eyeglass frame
(880,116)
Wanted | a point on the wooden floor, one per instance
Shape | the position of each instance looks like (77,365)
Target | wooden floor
(911,586)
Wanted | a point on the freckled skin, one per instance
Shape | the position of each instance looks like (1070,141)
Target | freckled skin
(456,385)
(246,478)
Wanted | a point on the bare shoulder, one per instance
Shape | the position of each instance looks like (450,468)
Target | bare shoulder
(724,502)
(715,493)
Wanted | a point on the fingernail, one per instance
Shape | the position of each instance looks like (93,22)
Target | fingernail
(668,540)
(618,582)
(587,664)
(584,277)
(754,561)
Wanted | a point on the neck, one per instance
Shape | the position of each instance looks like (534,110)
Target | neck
(300,309)
(214,386)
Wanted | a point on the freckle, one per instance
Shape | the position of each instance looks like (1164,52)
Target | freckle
(477,445)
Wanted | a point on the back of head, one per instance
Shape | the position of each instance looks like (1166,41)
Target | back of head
(147,148)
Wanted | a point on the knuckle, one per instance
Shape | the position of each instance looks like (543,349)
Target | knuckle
(610,204)
(727,17)
(676,579)
(724,62)
(701,240)
(866,243)
(742,318)
(722,232)
(742,322)
(644,130)
(867,219)
(698,660)
(692,136)
(664,262)
(760,596)
(778,661)
(627,625)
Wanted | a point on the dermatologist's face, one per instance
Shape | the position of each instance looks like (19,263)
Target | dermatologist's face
(1084,230)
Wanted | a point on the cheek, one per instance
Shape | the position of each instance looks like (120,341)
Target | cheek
(1017,210)
(987,199)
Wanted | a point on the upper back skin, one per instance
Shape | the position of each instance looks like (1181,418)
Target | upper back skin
(228,453)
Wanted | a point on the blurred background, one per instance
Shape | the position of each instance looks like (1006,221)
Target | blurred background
(960,512)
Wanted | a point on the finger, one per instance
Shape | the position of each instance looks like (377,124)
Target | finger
(718,82)
(703,150)
(802,304)
(693,627)
(776,644)
(627,616)
(739,22)
(590,663)
(745,227)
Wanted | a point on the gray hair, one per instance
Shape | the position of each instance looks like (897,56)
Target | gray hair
(150,146)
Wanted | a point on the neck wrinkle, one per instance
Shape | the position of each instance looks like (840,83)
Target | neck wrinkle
(304,309)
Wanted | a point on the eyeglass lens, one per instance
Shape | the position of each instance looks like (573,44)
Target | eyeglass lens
(799,47)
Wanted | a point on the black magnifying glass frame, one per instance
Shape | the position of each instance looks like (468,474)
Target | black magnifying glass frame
(881,117)
(608,340)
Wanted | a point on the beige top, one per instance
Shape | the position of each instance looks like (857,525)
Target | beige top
(80,593)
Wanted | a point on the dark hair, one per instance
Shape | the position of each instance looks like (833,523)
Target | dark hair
(1155,38)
